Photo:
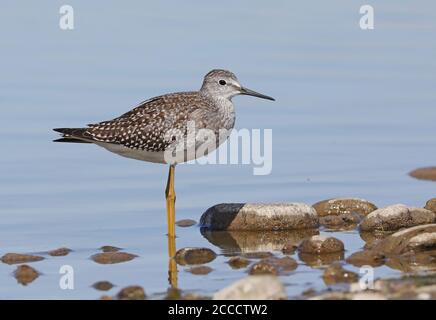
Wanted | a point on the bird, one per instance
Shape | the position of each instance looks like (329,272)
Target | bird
(157,129)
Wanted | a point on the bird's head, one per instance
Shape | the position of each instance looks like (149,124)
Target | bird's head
(224,84)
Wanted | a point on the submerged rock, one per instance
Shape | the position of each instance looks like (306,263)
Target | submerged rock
(366,258)
(335,273)
(109,249)
(321,245)
(415,239)
(131,293)
(200,270)
(274,266)
(280,216)
(238,262)
(395,217)
(103,285)
(25,274)
(187,256)
(260,287)
(428,173)
(16,258)
(412,262)
(344,206)
(112,257)
(320,260)
(186,223)
(431,205)
(263,266)
(59,252)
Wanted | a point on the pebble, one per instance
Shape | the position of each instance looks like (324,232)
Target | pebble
(321,245)
(366,258)
(25,274)
(59,252)
(335,273)
(109,249)
(131,293)
(112,257)
(280,216)
(344,206)
(200,270)
(431,205)
(238,262)
(259,287)
(188,256)
(396,216)
(186,223)
(428,173)
(15,258)
(103,285)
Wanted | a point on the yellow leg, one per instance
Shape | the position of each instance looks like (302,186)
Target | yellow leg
(171,216)
(170,195)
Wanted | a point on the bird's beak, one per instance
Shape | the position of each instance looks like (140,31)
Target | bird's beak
(249,92)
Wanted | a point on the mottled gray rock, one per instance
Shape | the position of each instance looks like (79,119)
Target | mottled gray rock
(341,206)
(321,245)
(431,205)
(280,216)
(188,256)
(260,287)
(395,217)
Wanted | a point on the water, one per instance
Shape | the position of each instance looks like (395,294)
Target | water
(354,114)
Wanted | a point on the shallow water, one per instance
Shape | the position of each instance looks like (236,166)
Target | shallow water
(354,114)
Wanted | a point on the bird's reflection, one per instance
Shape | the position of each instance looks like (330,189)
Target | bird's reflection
(237,242)
(172,265)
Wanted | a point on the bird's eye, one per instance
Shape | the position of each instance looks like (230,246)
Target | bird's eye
(222,82)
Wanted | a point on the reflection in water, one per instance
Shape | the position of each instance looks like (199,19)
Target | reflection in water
(414,262)
(236,242)
(320,260)
(172,265)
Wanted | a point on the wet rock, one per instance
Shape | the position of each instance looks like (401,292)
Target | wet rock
(321,245)
(59,252)
(371,238)
(335,273)
(238,262)
(412,262)
(427,173)
(103,285)
(200,270)
(416,239)
(234,216)
(264,266)
(431,205)
(187,256)
(366,258)
(112,257)
(285,264)
(320,260)
(131,293)
(344,206)
(395,217)
(16,258)
(340,222)
(235,242)
(25,274)
(186,223)
(289,248)
(260,287)
(109,249)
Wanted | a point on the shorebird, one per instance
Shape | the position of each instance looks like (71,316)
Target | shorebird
(158,127)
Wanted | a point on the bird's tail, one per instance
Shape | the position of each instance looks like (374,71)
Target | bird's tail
(73,135)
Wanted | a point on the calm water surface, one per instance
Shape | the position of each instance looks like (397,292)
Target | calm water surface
(355,112)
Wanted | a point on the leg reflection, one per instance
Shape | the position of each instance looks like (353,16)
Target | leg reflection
(172,265)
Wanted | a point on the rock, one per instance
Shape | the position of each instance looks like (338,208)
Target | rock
(321,245)
(25,274)
(431,205)
(131,293)
(112,257)
(238,262)
(237,242)
(340,222)
(366,258)
(274,266)
(257,255)
(15,258)
(416,239)
(395,217)
(200,270)
(264,266)
(105,297)
(335,273)
(344,206)
(234,216)
(412,262)
(320,260)
(285,264)
(187,256)
(289,248)
(428,173)
(59,252)
(371,238)
(186,223)
(109,249)
(103,285)
(259,287)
